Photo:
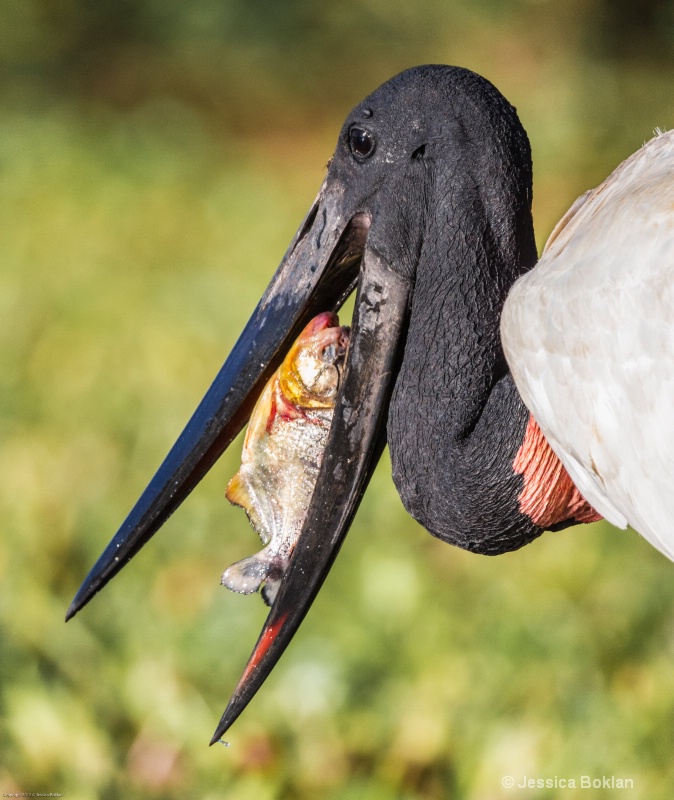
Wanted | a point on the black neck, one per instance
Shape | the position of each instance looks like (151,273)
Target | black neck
(456,420)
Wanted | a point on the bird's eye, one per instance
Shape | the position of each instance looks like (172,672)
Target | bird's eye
(361,142)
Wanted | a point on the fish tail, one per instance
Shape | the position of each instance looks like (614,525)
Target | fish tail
(247,575)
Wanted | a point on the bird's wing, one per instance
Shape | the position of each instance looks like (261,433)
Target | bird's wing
(589,337)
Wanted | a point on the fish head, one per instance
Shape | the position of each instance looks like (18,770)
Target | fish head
(310,374)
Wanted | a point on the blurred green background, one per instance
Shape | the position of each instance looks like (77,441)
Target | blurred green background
(156,157)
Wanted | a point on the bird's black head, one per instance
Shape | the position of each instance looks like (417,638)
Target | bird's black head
(429,188)
(409,155)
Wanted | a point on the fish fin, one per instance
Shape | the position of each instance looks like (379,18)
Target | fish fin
(237,492)
(241,493)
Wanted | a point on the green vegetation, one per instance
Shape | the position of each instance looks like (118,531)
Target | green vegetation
(155,159)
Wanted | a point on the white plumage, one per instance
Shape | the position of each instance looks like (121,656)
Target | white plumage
(589,337)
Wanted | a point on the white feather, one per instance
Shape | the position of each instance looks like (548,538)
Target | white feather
(589,337)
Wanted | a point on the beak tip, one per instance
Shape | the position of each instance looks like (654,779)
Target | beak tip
(77,603)
(91,586)
(223,726)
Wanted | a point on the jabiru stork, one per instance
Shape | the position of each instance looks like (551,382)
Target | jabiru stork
(426,209)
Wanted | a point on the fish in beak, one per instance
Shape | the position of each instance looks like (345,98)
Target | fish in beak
(283,451)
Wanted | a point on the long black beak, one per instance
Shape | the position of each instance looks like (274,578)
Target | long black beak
(318,272)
